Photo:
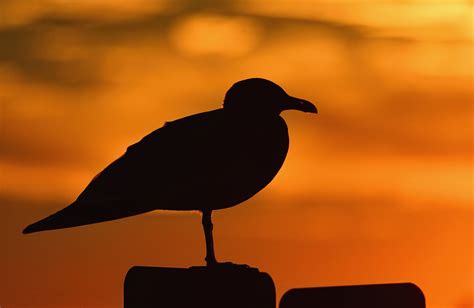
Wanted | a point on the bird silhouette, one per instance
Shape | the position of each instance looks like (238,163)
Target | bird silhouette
(207,161)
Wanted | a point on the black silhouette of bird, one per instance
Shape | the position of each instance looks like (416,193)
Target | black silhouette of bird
(207,161)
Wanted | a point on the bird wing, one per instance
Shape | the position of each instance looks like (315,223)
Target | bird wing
(199,162)
(157,171)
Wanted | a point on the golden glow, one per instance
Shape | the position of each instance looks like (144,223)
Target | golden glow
(448,20)
(215,35)
(376,188)
(16,13)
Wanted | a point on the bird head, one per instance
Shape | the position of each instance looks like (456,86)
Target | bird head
(263,96)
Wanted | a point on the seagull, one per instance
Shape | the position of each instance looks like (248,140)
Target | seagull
(205,162)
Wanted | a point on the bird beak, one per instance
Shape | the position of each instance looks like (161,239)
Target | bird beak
(295,103)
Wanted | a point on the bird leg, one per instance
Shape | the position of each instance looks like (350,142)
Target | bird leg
(207,225)
(210,257)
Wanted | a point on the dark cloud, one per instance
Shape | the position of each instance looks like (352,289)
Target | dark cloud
(22,49)
(22,46)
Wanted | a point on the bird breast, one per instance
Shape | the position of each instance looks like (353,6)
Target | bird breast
(252,154)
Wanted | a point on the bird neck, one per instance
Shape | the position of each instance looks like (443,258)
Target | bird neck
(250,115)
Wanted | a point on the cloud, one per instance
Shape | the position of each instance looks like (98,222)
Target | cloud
(66,50)
(28,50)
(116,80)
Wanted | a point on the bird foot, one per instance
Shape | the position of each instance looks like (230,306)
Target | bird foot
(227,266)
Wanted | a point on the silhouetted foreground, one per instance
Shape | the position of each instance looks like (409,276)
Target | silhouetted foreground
(232,286)
(207,161)
(209,287)
(399,295)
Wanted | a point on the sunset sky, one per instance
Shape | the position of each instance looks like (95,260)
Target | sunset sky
(377,188)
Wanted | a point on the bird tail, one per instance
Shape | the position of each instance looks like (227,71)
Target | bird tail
(81,213)
(49,223)
(41,225)
(70,216)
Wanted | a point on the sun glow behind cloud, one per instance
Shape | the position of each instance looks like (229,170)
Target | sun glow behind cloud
(384,169)
(215,35)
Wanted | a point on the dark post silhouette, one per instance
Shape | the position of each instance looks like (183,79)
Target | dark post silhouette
(398,295)
(209,287)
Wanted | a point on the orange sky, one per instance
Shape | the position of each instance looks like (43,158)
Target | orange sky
(376,188)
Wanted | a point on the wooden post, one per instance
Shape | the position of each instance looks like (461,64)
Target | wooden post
(396,295)
(219,287)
